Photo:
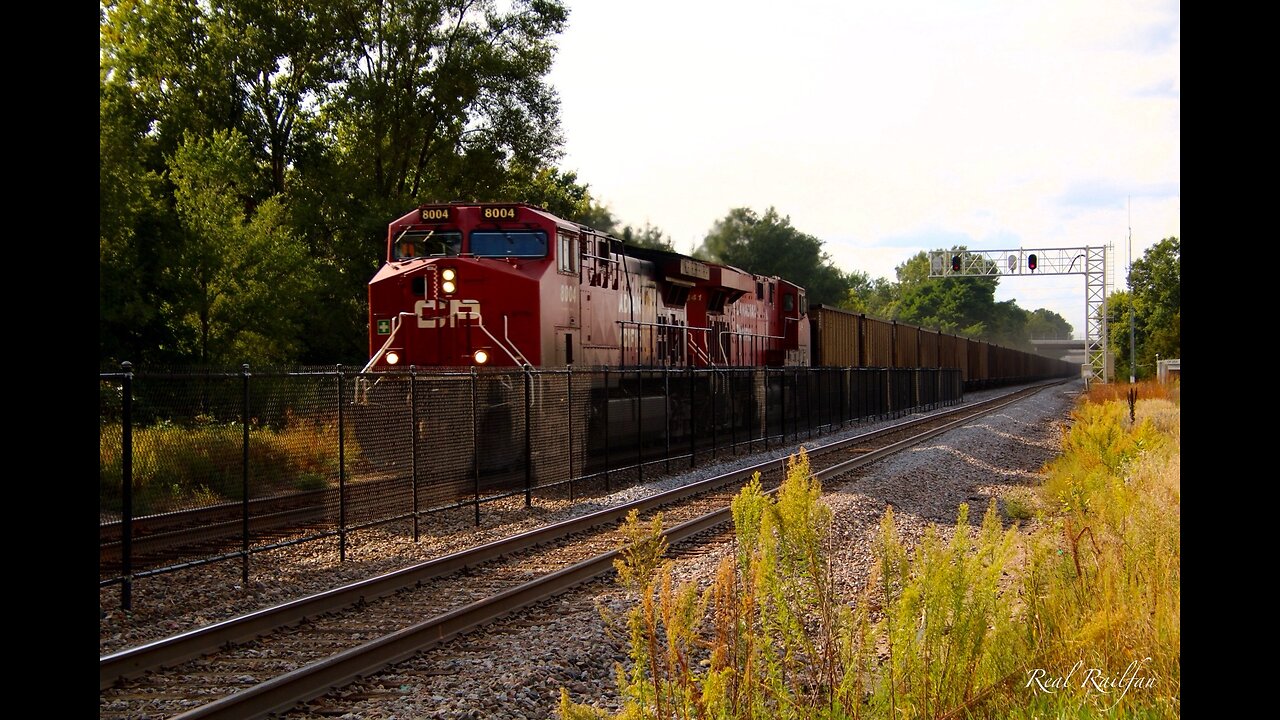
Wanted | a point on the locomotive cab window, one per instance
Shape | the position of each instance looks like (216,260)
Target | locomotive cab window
(427,244)
(567,254)
(788,302)
(509,243)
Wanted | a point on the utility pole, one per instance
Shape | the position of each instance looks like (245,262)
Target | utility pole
(1133,363)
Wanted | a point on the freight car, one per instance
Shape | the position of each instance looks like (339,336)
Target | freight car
(846,339)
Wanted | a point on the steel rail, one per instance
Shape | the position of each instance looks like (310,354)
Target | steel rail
(306,683)
(194,643)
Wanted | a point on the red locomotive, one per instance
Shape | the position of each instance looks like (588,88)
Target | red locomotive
(480,284)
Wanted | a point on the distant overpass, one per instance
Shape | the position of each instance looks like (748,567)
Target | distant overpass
(1072,351)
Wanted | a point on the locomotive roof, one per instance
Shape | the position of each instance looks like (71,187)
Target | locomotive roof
(659,255)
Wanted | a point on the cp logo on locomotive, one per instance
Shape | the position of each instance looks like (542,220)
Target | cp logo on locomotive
(456,309)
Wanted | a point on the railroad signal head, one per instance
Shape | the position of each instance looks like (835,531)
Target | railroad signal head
(1031,262)
(955,263)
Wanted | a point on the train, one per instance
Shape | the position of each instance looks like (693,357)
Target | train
(481,292)
(512,285)
(509,285)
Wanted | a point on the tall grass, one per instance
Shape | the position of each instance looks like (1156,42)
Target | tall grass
(180,466)
(1103,582)
(1102,393)
(1079,618)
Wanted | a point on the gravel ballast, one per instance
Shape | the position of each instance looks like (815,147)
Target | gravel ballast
(517,670)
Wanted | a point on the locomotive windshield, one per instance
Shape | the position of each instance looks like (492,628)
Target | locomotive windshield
(428,244)
(509,244)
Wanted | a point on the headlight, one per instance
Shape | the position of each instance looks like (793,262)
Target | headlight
(448,274)
(393,358)
(448,287)
(481,357)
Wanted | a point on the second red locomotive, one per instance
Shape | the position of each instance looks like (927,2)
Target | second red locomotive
(511,284)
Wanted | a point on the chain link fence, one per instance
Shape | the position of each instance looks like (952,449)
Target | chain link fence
(201,466)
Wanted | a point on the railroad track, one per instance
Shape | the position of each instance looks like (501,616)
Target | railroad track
(275,658)
(219,530)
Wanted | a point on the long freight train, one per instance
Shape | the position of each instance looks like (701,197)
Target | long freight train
(480,287)
(508,285)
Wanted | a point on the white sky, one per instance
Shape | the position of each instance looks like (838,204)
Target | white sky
(884,128)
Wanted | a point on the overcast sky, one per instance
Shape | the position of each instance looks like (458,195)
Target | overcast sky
(884,128)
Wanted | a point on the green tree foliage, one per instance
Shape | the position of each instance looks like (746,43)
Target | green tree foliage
(1154,298)
(238,266)
(876,297)
(648,236)
(963,306)
(137,238)
(602,218)
(437,97)
(1045,324)
(957,305)
(597,216)
(1156,282)
(342,115)
(769,245)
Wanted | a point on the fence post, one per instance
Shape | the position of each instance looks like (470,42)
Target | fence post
(528,444)
(844,382)
(606,426)
(569,424)
(693,410)
(126,499)
(342,475)
(475,446)
(733,424)
(666,411)
(764,430)
(782,401)
(244,492)
(639,418)
(413,443)
(711,376)
(808,399)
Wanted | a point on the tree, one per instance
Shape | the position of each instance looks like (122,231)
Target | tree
(330,118)
(648,236)
(437,98)
(1154,297)
(239,266)
(1045,324)
(137,237)
(1119,305)
(1156,282)
(769,245)
(964,306)
(284,57)
(556,191)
